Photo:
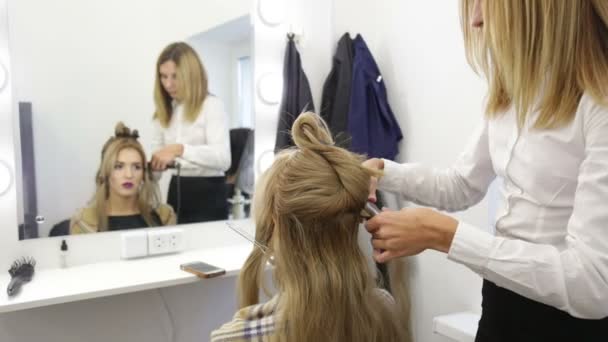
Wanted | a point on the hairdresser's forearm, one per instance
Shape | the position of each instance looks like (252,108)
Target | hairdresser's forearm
(177,149)
(443,228)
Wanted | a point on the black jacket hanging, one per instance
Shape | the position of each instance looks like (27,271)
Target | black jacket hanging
(297,97)
(336,92)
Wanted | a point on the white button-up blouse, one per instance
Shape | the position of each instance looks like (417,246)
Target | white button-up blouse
(551,239)
(206,140)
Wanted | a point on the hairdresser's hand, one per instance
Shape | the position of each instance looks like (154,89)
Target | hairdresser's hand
(376,164)
(410,231)
(165,156)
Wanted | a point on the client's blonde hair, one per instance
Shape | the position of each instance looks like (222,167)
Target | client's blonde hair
(309,202)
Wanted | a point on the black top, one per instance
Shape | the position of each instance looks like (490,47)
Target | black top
(131,221)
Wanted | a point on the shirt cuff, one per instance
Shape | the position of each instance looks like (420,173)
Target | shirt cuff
(471,247)
(391,179)
(187,154)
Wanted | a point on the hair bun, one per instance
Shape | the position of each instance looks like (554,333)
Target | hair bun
(122,131)
(309,131)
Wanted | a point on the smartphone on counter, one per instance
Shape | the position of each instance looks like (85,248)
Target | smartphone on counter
(202,269)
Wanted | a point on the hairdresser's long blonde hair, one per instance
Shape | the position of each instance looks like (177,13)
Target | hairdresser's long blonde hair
(540,55)
(307,209)
(148,196)
(193,83)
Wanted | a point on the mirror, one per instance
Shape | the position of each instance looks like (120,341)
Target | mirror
(80,67)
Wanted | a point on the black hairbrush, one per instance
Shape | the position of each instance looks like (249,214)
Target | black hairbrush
(21,271)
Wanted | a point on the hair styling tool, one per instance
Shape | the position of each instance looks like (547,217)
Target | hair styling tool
(371,209)
(176,166)
(21,271)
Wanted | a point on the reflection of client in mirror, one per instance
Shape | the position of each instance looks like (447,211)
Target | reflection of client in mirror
(191,129)
(126,196)
(307,209)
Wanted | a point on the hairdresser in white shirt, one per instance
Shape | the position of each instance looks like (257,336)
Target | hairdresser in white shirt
(191,128)
(545,137)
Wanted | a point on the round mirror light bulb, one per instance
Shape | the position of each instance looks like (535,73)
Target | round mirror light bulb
(6,177)
(272,12)
(264,161)
(270,88)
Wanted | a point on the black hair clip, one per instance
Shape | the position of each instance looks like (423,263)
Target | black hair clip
(21,271)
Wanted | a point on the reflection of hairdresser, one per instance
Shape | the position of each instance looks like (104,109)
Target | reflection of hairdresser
(307,210)
(126,196)
(192,130)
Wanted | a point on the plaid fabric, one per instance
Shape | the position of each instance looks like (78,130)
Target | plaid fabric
(257,322)
(253,323)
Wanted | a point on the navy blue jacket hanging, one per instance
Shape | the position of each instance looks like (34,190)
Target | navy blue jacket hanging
(297,97)
(371,123)
(336,92)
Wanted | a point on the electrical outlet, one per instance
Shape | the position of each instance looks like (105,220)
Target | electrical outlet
(134,244)
(162,241)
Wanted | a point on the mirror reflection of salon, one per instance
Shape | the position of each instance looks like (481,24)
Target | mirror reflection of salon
(126,195)
(191,138)
(46,148)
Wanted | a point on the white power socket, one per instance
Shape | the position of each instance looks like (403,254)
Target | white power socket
(134,244)
(162,241)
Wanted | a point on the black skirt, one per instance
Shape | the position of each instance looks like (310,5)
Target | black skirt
(202,199)
(509,317)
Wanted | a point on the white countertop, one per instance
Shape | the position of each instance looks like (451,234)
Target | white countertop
(461,326)
(55,286)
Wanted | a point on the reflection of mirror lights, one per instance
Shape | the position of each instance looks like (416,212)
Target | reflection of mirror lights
(6,177)
(264,161)
(3,76)
(270,87)
(272,12)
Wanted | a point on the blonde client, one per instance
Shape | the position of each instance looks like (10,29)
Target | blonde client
(307,209)
(126,196)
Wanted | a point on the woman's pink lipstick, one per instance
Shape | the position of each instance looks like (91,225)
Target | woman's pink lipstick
(127,185)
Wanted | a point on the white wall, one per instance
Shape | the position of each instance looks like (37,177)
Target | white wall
(437,100)
(242,49)
(220,59)
(79,94)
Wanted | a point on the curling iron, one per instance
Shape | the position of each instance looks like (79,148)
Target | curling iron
(371,209)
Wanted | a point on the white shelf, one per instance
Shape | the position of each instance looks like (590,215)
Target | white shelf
(55,286)
(461,326)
